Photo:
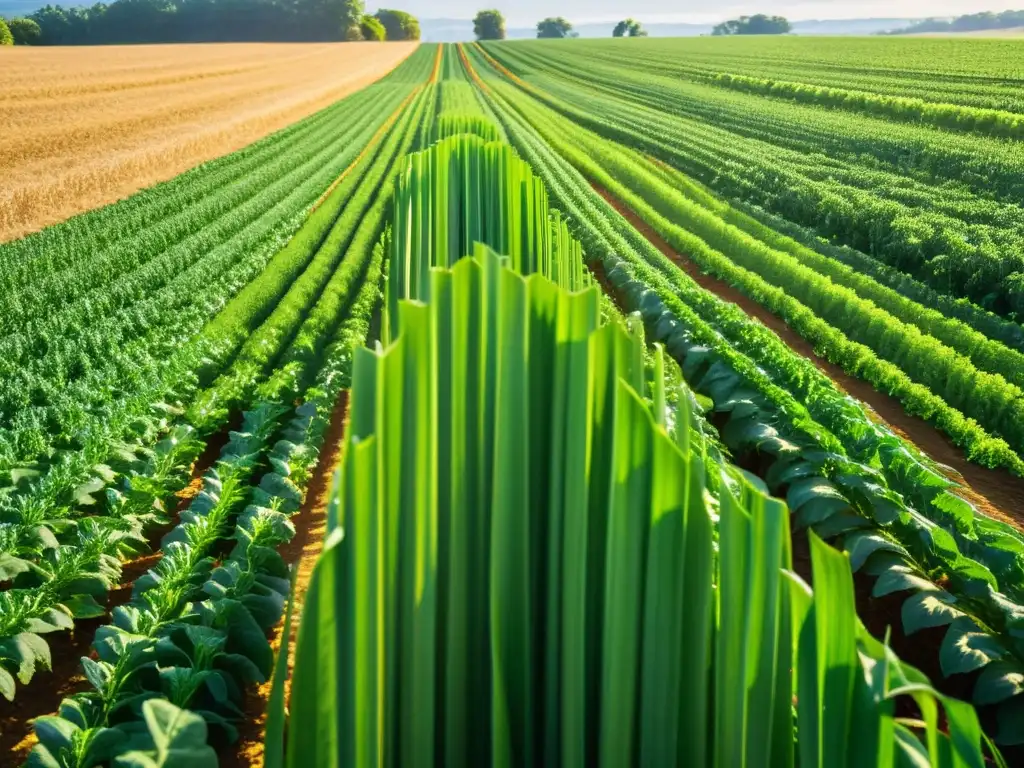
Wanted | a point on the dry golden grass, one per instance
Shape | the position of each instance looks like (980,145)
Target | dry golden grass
(83,127)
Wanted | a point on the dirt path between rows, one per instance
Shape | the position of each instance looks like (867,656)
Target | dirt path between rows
(302,551)
(995,493)
(43,695)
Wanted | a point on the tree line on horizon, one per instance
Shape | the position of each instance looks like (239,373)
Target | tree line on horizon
(185,21)
(971,22)
(208,21)
(490,25)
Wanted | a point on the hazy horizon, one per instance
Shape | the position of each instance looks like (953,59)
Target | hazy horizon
(528,12)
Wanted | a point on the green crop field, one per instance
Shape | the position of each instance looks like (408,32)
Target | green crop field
(586,402)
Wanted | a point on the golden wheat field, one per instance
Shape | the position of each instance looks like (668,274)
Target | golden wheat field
(83,127)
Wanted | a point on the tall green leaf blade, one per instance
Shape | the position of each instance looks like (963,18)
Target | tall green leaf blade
(836,618)
(511,608)
(667,601)
(578,318)
(628,525)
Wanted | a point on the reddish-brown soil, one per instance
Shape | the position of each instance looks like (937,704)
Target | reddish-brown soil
(995,493)
(42,696)
(302,551)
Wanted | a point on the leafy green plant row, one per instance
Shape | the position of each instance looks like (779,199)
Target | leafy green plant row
(958,74)
(55,581)
(929,378)
(749,258)
(104,271)
(549,527)
(985,323)
(171,640)
(1010,334)
(214,635)
(73,558)
(1007,125)
(953,239)
(60,493)
(59,373)
(96,442)
(987,354)
(67,393)
(161,296)
(63,495)
(73,371)
(301,273)
(711,334)
(988,167)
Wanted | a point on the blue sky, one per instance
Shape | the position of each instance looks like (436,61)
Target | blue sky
(527,12)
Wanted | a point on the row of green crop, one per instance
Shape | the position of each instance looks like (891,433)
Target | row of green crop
(73,469)
(204,621)
(992,355)
(899,357)
(918,103)
(24,527)
(989,166)
(63,246)
(955,74)
(825,402)
(62,388)
(931,379)
(951,116)
(932,303)
(59,380)
(913,231)
(956,240)
(213,204)
(458,101)
(296,278)
(867,481)
(356,216)
(522,568)
(205,624)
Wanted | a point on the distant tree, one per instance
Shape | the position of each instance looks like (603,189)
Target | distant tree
(399,25)
(629,28)
(489,25)
(5,34)
(319,19)
(759,24)
(372,29)
(25,31)
(553,27)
